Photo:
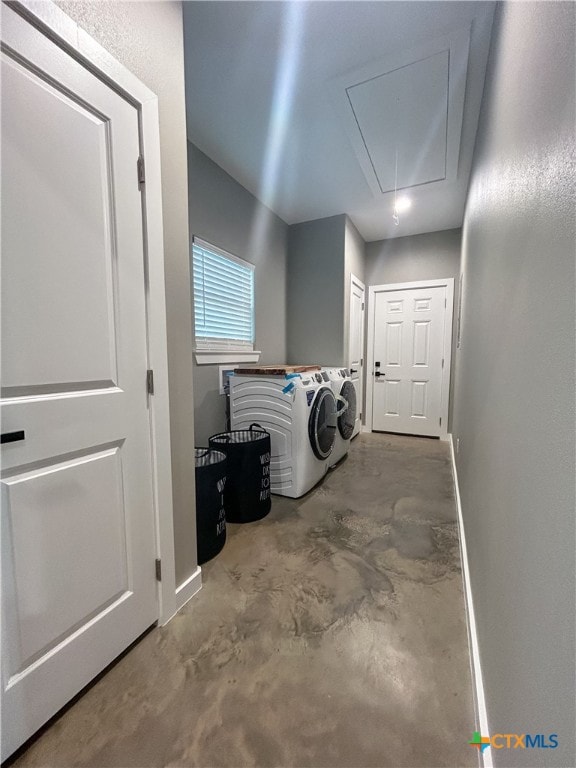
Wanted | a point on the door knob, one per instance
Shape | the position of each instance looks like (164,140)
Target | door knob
(377,374)
(353,370)
(11,437)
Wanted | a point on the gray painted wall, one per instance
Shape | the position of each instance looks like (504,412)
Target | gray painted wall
(432,256)
(225,214)
(316,291)
(514,408)
(147,38)
(322,254)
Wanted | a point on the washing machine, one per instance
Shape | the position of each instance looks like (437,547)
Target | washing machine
(345,393)
(300,413)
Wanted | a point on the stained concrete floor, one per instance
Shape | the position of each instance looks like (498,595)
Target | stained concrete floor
(332,633)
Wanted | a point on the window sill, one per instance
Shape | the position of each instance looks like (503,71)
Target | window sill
(216,356)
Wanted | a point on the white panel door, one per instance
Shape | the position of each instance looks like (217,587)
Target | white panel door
(78,532)
(356,346)
(408,360)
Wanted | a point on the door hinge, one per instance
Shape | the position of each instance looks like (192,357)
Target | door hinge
(141,174)
(150,381)
(362,305)
(158,564)
(440,420)
(442,362)
(445,302)
(361,361)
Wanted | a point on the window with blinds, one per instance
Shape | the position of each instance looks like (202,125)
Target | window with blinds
(223,299)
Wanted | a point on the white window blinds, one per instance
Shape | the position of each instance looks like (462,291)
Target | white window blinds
(223,299)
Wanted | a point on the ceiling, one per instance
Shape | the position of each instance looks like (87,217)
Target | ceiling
(322,108)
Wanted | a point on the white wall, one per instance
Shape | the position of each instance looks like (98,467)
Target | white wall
(514,407)
(147,38)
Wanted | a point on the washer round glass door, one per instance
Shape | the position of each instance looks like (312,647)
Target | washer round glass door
(347,420)
(322,423)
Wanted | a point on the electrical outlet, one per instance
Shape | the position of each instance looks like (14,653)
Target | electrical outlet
(223,372)
(457,445)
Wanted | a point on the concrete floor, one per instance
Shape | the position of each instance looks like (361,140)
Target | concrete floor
(332,633)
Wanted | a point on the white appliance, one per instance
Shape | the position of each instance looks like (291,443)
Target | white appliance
(299,410)
(345,393)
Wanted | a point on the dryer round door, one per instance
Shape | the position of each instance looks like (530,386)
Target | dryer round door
(347,420)
(322,423)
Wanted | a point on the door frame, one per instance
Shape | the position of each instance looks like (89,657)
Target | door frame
(447,283)
(359,284)
(68,35)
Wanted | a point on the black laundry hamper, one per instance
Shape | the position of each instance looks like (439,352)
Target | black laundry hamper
(247,492)
(210,515)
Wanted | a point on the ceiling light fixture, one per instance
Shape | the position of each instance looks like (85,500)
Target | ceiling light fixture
(403,204)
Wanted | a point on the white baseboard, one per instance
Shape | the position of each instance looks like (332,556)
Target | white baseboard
(485,758)
(188,588)
(365,428)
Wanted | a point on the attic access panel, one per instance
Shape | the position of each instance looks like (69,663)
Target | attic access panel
(412,101)
(405,112)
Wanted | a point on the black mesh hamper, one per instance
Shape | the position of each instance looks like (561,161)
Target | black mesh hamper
(247,493)
(210,516)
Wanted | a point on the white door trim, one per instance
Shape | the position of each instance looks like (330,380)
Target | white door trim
(448,283)
(63,31)
(355,281)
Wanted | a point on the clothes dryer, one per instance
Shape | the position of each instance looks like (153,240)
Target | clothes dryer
(345,392)
(300,413)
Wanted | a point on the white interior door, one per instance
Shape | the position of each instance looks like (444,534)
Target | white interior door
(356,346)
(78,532)
(408,352)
